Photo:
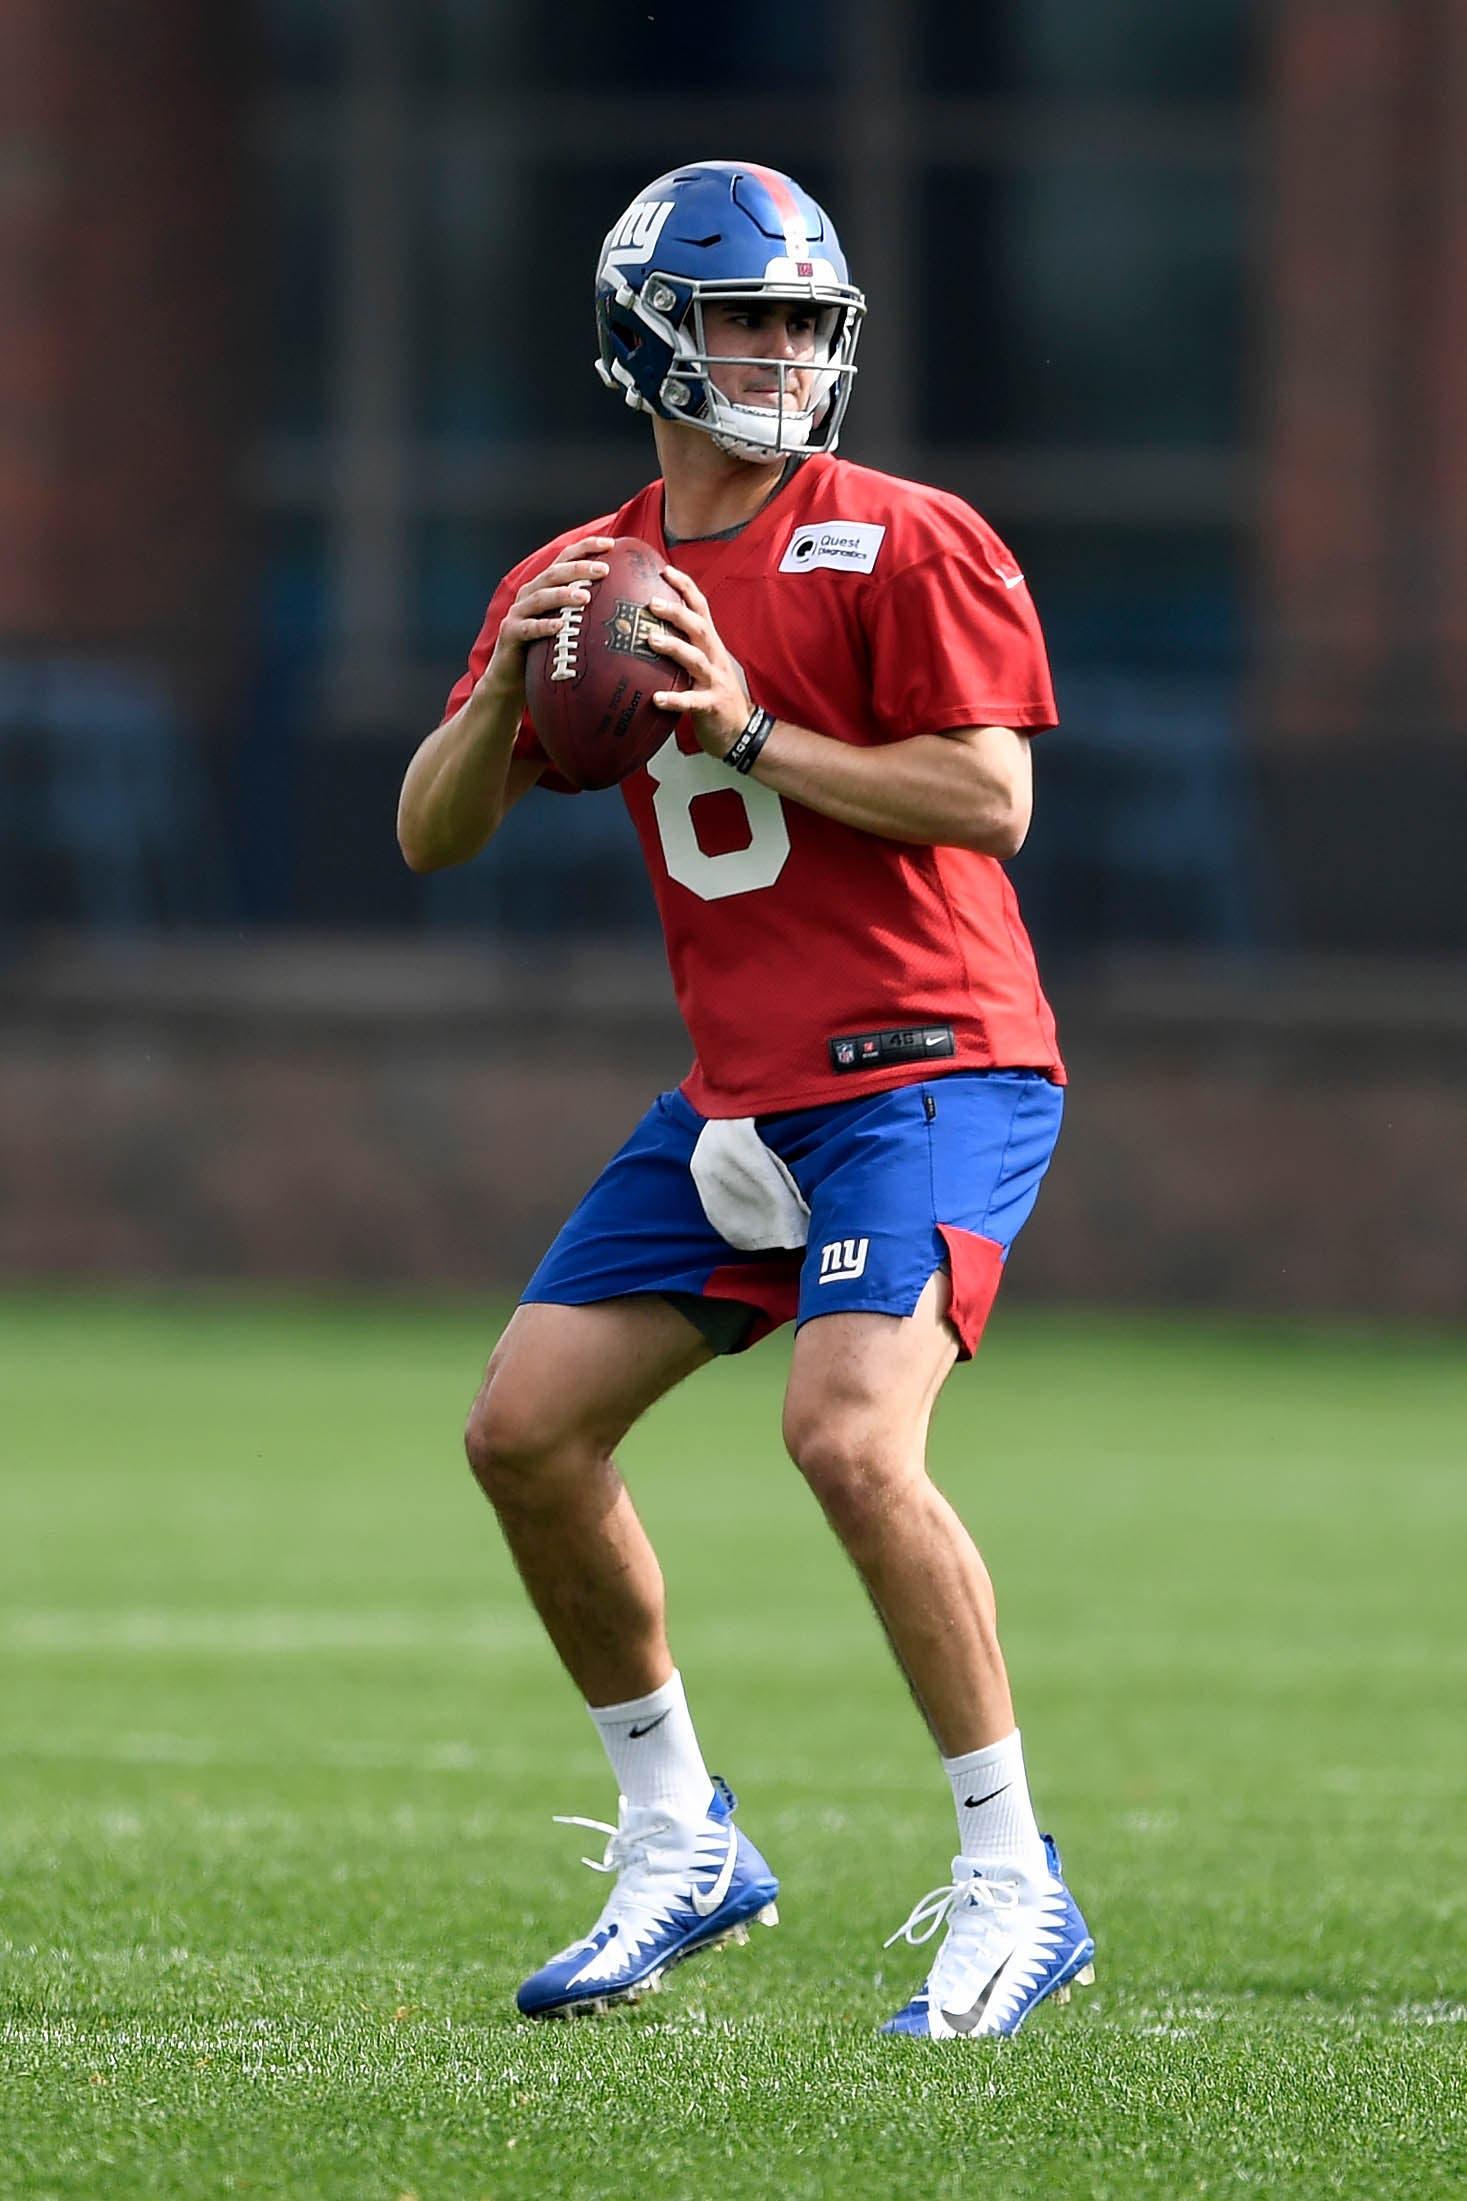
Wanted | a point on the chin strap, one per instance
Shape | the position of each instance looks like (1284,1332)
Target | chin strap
(792,440)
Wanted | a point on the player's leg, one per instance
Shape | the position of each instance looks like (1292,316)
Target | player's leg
(563,1387)
(915,1199)
(600,1336)
(862,1389)
(861,1392)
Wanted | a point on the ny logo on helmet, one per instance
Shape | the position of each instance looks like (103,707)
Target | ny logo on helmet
(630,243)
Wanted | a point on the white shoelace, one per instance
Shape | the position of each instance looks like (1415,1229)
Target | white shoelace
(622,1849)
(650,1872)
(939,1905)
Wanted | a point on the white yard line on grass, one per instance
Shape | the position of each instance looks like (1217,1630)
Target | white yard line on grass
(436,1757)
(251,1631)
(758,1643)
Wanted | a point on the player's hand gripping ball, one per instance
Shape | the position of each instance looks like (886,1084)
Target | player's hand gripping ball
(589,686)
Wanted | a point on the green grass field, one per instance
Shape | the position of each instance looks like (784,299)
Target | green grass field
(279,1749)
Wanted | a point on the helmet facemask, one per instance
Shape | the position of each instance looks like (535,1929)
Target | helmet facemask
(769,433)
(765,435)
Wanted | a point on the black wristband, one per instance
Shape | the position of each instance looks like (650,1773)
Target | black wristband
(745,750)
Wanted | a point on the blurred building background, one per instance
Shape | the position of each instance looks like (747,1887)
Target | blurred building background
(296,362)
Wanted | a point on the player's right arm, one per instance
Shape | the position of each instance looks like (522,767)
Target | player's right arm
(465,778)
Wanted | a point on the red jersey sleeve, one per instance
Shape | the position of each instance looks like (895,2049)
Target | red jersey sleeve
(954,636)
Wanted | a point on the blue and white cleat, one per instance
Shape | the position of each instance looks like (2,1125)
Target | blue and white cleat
(678,1891)
(1012,1943)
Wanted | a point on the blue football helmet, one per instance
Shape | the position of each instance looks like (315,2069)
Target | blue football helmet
(725,230)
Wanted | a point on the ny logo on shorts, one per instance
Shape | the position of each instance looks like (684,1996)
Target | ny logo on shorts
(843,1258)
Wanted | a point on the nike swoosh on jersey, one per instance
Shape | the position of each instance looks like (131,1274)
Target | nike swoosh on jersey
(967,2021)
(706,1905)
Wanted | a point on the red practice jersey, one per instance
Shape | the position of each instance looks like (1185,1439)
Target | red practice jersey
(868,609)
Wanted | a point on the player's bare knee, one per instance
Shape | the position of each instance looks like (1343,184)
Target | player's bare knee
(805,1425)
(508,1440)
(851,1470)
(829,1438)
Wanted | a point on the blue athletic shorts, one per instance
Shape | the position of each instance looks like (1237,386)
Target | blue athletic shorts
(897,1185)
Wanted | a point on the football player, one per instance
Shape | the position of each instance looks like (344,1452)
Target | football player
(877,1086)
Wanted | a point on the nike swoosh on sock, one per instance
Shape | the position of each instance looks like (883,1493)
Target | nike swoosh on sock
(635,1734)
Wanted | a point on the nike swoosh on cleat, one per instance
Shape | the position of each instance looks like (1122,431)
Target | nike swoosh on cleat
(972,1803)
(706,1905)
(967,2021)
(635,1734)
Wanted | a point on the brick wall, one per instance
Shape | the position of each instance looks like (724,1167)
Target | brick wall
(1361,597)
(381,1116)
(1364,221)
(124,375)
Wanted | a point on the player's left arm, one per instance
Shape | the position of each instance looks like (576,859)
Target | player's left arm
(970,788)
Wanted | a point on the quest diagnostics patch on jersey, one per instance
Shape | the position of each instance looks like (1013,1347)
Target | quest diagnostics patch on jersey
(848,546)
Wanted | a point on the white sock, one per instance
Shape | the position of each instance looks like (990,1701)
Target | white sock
(654,1752)
(996,1824)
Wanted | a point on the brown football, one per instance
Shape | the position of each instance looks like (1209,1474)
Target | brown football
(590,687)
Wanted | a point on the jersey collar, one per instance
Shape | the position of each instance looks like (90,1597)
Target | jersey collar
(719,553)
